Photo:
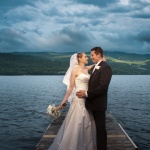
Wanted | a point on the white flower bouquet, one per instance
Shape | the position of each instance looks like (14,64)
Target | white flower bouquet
(54,111)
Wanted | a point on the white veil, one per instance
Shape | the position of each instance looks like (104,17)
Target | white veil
(66,80)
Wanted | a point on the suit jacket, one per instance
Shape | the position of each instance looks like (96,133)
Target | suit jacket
(98,87)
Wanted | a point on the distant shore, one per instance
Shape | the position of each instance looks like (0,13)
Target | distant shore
(58,63)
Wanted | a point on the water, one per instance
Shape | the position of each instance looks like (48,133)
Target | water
(24,99)
(23,103)
(129,102)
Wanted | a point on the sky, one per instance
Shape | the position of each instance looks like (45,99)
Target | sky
(74,25)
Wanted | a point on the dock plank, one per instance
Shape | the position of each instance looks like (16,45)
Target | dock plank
(117,138)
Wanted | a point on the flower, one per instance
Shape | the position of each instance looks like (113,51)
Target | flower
(54,111)
(97,67)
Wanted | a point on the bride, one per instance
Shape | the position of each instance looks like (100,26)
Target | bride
(78,130)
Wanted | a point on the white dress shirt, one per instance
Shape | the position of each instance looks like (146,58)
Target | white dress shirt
(96,65)
(92,72)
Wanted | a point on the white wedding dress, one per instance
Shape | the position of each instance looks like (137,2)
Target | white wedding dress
(78,130)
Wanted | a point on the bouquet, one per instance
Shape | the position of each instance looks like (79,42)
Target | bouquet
(54,111)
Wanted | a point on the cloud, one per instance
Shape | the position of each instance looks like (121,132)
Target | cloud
(73,25)
(11,40)
(142,13)
(71,39)
(101,3)
(144,36)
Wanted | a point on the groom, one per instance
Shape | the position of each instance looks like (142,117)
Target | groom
(96,96)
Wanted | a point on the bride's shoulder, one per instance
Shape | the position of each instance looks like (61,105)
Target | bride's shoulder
(75,70)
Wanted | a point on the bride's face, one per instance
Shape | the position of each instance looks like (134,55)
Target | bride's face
(84,59)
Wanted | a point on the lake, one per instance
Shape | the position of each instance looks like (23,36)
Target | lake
(24,100)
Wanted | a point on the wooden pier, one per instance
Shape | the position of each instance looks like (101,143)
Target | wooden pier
(117,138)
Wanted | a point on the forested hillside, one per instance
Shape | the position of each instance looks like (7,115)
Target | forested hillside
(45,63)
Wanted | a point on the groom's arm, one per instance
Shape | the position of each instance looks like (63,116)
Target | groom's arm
(103,83)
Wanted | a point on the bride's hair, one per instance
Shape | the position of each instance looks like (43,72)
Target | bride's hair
(79,55)
(73,63)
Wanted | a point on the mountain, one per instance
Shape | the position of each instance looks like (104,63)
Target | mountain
(51,63)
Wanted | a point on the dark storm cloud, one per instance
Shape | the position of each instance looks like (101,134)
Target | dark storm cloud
(144,36)
(71,39)
(11,40)
(141,15)
(74,25)
(6,5)
(101,3)
(75,35)
(13,3)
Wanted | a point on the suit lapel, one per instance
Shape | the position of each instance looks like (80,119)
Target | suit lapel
(95,70)
(92,71)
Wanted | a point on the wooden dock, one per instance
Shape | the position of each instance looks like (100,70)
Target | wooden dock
(117,138)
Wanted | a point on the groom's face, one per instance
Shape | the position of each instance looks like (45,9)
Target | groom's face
(95,58)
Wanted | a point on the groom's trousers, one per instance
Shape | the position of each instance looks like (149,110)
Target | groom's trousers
(100,121)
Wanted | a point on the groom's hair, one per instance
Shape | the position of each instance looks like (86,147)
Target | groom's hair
(98,50)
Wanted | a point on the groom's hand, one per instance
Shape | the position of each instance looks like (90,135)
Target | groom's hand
(80,93)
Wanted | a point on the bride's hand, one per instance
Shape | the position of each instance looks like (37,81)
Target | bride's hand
(59,107)
(63,104)
(104,59)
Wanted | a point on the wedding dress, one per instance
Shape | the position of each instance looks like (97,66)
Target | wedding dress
(78,130)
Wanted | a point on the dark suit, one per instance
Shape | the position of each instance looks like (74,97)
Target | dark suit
(97,101)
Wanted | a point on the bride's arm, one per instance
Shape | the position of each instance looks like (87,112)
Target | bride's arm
(71,86)
(89,67)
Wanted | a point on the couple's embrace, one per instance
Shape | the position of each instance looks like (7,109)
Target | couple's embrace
(84,125)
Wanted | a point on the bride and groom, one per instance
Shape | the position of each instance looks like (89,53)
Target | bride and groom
(84,125)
